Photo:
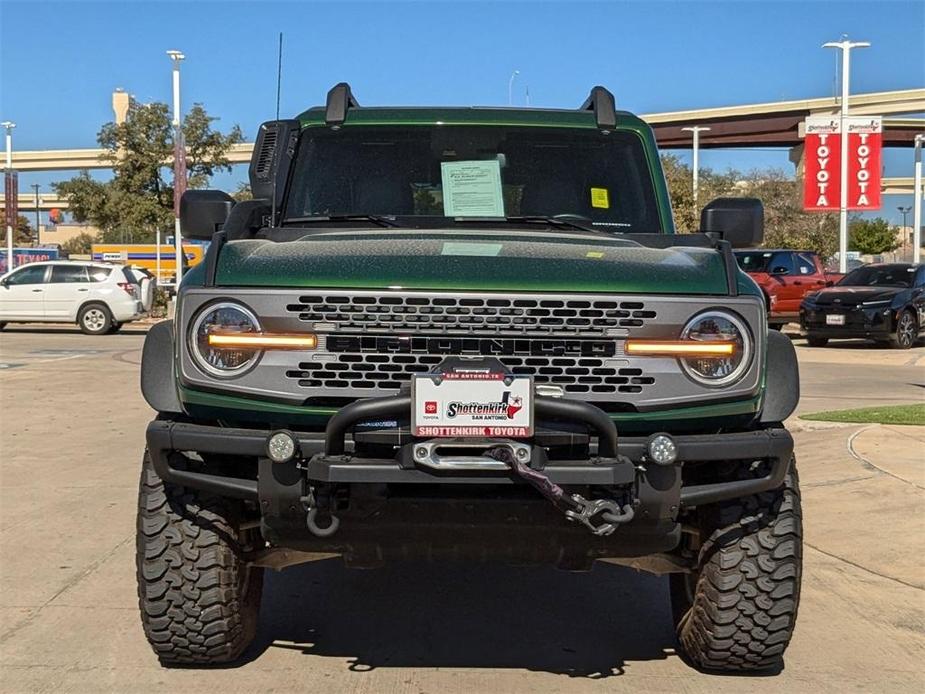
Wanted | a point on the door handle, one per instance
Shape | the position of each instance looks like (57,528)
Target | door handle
(38,290)
(82,289)
(797,282)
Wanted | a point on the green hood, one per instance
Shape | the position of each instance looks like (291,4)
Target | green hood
(468,260)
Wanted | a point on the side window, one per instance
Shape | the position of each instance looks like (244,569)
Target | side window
(68,274)
(99,274)
(782,263)
(33,274)
(805,264)
(919,277)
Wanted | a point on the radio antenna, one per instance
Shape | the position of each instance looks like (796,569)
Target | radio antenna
(279,85)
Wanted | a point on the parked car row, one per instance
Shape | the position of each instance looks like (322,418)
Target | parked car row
(884,302)
(98,297)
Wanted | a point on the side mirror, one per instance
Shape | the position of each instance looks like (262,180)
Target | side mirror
(829,283)
(203,212)
(4,282)
(740,221)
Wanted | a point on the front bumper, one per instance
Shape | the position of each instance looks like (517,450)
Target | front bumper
(875,323)
(325,457)
(401,507)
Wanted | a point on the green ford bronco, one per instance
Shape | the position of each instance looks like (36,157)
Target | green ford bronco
(468,334)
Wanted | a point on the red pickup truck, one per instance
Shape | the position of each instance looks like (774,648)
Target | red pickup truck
(785,276)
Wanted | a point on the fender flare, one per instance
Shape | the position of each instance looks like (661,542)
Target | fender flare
(782,392)
(158,385)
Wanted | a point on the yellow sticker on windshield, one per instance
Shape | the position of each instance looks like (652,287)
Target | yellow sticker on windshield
(600,197)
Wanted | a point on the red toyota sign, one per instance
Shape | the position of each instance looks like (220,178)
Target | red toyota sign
(822,163)
(865,143)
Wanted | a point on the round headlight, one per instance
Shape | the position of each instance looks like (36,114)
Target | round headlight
(718,326)
(223,318)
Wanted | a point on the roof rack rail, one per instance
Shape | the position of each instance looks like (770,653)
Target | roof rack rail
(340,98)
(601,101)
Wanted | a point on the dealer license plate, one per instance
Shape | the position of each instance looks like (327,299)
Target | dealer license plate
(835,319)
(473,404)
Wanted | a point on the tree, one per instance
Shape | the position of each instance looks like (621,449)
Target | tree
(872,236)
(81,244)
(786,224)
(710,185)
(22,232)
(139,198)
(243,192)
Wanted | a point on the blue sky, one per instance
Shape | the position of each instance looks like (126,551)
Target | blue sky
(59,62)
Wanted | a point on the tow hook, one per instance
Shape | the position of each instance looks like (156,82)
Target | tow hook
(329,522)
(600,516)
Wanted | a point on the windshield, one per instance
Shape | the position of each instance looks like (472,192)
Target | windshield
(879,276)
(444,175)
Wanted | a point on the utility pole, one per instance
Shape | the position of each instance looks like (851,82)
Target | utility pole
(510,88)
(917,201)
(845,46)
(9,125)
(35,187)
(696,130)
(178,168)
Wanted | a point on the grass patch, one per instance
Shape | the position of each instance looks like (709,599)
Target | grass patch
(890,414)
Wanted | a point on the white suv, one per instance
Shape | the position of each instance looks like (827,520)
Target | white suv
(96,296)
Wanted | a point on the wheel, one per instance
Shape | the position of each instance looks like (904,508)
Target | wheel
(817,341)
(199,600)
(94,319)
(906,331)
(737,611)
(114,328)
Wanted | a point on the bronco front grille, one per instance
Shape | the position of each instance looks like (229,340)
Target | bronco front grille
(474,315)
(390,371)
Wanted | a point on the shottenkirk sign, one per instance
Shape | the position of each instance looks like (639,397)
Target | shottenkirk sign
(822,157)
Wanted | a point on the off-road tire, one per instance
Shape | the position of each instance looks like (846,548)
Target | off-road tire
(817,341)
(907,330)
(94,319)
(199,601)
(737,612)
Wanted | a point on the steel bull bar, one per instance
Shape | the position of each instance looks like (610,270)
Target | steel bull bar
(613,461)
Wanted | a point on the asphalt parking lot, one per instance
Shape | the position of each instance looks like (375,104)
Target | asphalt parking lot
(71,438)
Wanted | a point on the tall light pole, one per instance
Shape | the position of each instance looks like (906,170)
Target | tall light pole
(845,46)
(917,201)
(904,211)
(696,130)
(35,188)
(9,125)
(510,88)
(177,57)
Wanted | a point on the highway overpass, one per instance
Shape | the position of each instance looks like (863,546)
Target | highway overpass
(770,124)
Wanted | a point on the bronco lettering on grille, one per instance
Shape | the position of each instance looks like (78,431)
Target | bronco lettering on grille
(407,344)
